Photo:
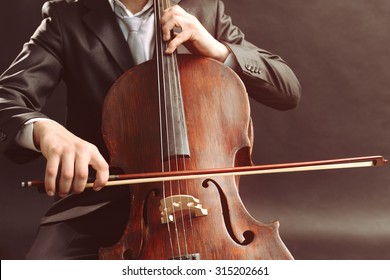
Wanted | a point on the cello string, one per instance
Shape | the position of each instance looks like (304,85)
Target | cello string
(182,184)
(183,158)
(165,60)
(159,61)
(179,111)
(174,93)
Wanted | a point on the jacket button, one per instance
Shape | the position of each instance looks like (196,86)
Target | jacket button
(3,136)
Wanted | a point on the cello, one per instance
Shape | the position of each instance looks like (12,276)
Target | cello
(157,119)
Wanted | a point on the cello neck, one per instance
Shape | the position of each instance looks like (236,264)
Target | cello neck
(173,124)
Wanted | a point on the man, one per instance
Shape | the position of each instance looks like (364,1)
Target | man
(84,43)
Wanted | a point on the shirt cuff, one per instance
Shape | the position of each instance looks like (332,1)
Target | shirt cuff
(25,137)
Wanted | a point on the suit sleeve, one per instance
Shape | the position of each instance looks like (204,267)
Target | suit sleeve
(268,79)
(27,84)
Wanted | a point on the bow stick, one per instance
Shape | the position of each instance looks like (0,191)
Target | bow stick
(130,179)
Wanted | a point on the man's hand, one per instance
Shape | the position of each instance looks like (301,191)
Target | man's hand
(71,155)
(193,34)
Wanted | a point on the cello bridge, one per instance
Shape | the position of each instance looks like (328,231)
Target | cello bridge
(182,204)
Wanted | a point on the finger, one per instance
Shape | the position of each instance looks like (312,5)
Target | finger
(172,12)
(67,173)
(80,173)
(184,35)
(102,170)
(171,18)
(179,39)
(167,28)
(51,172)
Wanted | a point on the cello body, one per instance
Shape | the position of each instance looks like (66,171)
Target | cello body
(187,219)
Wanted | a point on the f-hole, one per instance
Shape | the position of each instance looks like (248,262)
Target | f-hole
(248,235)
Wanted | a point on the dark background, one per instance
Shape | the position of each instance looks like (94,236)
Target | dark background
(340,52)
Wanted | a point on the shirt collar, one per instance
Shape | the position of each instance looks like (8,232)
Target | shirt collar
(146,7)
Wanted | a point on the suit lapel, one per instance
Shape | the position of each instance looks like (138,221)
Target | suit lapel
(102,22)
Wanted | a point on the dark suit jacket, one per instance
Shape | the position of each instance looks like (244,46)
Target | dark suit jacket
(81,43)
